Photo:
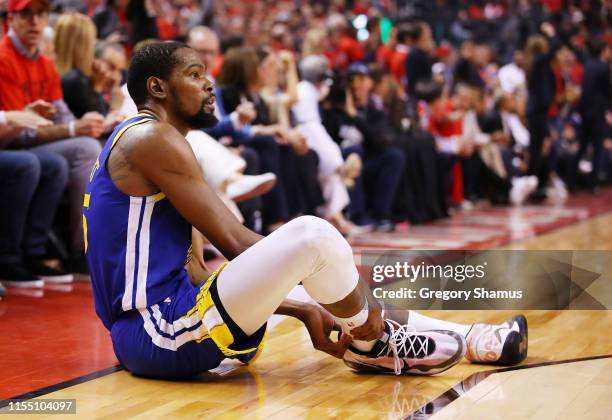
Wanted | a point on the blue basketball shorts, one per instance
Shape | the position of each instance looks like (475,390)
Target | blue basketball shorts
(183,336)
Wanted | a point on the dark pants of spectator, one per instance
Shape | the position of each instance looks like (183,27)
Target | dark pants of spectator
(592,133)
(80,153)
(423,188)
(481,182)
(251,209)
(537,124)
(562,159)
(31,184)
(311,196)
(375,189)
(275,201)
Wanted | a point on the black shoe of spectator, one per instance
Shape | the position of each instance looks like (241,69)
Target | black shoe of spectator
(538,196)
(16,275)
(385,225)
(46,273)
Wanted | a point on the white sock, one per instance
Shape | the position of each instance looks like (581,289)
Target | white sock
(424,323)
(355,321)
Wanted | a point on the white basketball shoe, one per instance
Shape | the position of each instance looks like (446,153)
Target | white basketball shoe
(403,351)
(504,344)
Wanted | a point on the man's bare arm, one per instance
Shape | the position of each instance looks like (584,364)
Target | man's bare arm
(164,158)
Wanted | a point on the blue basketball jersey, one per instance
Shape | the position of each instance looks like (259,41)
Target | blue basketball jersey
(136,247)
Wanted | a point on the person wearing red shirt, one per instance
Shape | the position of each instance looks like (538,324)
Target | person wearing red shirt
(27,76)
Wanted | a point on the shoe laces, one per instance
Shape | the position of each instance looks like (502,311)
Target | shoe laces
(403,342)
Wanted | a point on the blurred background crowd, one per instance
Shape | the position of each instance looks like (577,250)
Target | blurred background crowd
(366,113)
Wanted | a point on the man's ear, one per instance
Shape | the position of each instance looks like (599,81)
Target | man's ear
(157,88)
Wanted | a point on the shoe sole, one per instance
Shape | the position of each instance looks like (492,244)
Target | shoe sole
(423,370)
(23,284)
(261,189)
(515,339)
(66,278)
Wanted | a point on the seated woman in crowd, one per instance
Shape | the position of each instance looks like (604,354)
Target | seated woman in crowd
(240,80)
(85,78)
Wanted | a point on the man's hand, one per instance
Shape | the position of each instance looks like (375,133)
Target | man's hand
(91,125)
(465,147)
(246,112)
(42,108)
(320,324)
(298,142)
(113,119)
(287,59)
(25,119)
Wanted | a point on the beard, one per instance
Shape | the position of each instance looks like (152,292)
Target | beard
(201,119)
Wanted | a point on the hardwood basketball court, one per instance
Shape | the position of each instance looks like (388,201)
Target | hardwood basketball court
(56,348)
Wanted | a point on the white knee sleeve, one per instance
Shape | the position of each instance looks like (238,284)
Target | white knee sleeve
(334,273)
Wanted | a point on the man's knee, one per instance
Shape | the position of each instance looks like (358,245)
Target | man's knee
(54,166)
(320,236)
(26,168)
(88,148)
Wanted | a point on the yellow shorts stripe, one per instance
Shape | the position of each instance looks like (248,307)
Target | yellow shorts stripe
(220,332)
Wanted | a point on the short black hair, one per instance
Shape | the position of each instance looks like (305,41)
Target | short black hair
(409,31)
(428,90)
(596,47)
(153,60)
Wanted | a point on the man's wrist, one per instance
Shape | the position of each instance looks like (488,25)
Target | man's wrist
(72,129)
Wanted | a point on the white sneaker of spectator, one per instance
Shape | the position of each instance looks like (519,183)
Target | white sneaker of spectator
(245,187)
(521,188)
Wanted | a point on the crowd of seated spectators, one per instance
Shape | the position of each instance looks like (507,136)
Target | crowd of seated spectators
(365,113)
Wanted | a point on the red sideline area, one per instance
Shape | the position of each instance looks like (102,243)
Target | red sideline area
(54,335)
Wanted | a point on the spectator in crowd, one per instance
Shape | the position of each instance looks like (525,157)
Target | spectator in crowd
(85,79)
(31,184)
(419,61)
(358,127)
(110,56)
(541,87)
(343,47)
(335,172)
(240,80)
(27,76)
(594,102)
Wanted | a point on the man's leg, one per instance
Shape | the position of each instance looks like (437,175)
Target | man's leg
(504,344)
(40,215)
(46,198)
(311,251)
(384,170)
(81,153)
(271,268)
(19,175)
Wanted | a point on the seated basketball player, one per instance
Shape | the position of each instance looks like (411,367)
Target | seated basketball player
(145,194)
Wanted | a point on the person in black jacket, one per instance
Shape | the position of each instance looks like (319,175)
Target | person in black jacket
(541,87)
(419,61)
(594,102)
